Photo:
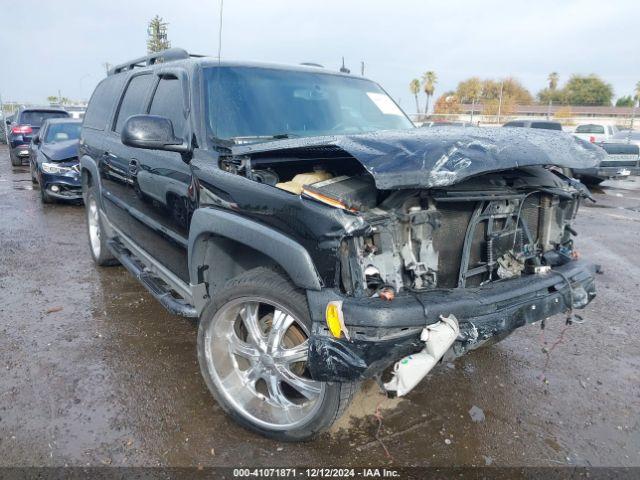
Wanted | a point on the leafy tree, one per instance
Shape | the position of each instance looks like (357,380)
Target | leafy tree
(588,90)
(637,92)
(52,99)
(414,87)
(429,80)
(627,101)
(448,102)
(157,35)
(469,90)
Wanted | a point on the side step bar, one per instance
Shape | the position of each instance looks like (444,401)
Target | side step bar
(161,293)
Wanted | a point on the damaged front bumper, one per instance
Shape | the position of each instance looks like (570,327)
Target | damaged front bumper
(382,332)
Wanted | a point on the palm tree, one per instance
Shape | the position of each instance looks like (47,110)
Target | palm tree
(553,81)
(429,80)
(414,86)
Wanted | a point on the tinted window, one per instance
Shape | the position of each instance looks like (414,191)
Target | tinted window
(133,102)
(59,132)
(590,129)
(102,101)
(36,118)
(546,125)
(514,124)
(168,102)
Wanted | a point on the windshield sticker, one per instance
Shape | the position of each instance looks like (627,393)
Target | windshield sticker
(384,104)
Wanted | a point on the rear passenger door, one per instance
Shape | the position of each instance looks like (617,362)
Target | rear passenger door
(117,160)
(161,180)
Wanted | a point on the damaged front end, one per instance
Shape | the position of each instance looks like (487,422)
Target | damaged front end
(475,227)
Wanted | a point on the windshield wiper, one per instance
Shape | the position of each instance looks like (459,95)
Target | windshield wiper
(258,138)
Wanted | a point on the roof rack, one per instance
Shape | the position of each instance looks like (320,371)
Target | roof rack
(170,55)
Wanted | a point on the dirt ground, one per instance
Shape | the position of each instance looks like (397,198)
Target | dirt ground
(94,372)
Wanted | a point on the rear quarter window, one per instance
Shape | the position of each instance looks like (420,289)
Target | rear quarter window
(102,102)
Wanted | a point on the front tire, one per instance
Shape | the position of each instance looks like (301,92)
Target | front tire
(97,239)
(252,348)
(44,196)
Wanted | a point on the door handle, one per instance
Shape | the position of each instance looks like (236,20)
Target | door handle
(133,167)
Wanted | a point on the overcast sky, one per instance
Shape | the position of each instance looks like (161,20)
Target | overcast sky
(51,46)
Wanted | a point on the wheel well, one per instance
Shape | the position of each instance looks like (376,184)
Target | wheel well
(216,260)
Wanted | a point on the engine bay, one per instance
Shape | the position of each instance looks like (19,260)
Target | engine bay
(491,227)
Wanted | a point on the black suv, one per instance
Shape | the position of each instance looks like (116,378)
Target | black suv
(24,126)
(318,236)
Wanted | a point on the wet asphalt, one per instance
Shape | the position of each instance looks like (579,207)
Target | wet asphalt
(94,372)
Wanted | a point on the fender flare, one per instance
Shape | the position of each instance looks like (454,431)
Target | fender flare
(286,252)
(89,164)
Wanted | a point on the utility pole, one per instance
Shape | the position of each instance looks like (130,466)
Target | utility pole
(473,104)
(500,100)
(362,68)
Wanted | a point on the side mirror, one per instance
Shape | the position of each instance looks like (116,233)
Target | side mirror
(36,140)
(8,122)
(152,132)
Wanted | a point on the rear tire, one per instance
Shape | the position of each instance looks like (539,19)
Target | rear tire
(97,238)
(16,161)
(260,321)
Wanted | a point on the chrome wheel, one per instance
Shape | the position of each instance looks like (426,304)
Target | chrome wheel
(94,226)
(256,352)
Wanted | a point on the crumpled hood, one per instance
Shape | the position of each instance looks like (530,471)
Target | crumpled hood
(60,151)
(436,157)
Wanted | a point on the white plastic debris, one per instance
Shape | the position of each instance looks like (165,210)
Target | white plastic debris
(410,370)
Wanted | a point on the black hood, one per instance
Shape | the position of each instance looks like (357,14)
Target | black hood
(444,156)
(60,151)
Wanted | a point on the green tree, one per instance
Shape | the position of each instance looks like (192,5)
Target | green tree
(414,87)
(637,92)
(157,35)
(469,90)
(52,99)
(588,90)
(429,80)
(627,101)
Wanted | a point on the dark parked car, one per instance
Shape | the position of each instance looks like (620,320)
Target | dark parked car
(25,124)
(53,161)
(318,236)
(544,124)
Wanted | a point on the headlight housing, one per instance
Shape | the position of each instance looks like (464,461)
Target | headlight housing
(53,168)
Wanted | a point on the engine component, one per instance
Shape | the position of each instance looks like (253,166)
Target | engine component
(351,193)
(296,184)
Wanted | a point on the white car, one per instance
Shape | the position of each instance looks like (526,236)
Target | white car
(595,132)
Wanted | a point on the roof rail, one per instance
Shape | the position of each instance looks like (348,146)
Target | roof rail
(170,55)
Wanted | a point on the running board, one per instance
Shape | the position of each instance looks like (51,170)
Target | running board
(151,283)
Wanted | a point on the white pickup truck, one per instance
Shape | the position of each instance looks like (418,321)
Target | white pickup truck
(595,132)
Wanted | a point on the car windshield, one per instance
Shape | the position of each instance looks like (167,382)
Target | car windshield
(590,129)
(247,104)
(36,118)
(59,132)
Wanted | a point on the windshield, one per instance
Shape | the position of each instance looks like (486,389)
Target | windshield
(36,118)
(59,132)
(251,103)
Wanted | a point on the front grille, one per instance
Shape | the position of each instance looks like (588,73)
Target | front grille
(448,240)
